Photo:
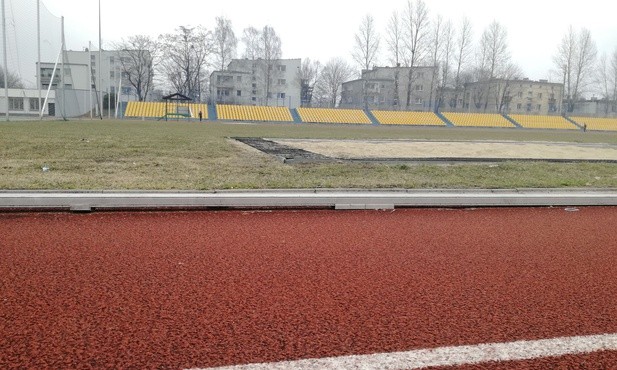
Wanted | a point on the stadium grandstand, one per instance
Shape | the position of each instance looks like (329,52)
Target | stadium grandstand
(478,120)
(160,110)
(543,122)
(597,124)
(407,118)
(329,115)
(253,113)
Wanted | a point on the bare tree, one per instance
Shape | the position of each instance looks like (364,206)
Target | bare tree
(416,34)
(138,57)
(308,75)
(613,69)
(14,80)
(270,51)
(446,62)
(185,58)
(225,42)
(575,60)
(366,46)
(463,51)
(394,40)
(503,93)
(334,73)
(493,58)
(250,38)
(607,80)
(494,45)
(436,50)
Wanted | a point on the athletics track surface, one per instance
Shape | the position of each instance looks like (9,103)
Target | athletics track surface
(205,289)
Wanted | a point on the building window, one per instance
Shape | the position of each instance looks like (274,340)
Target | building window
(16,103)
(254,86)
(254,92)
(419,88)
(520,94)
(519,106)
(222,92)
(540,96)
(254,98)
(419,101)
(112,74)
(539,106)
(34,104)
(282,81)
(112,60)
(282,68)
(281,95)
(420,74)
(239,93)
(239,79)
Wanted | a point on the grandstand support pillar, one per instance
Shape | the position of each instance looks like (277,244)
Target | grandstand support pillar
(6,67)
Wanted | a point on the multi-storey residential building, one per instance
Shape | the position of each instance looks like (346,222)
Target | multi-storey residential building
(377,89)
(257,82)
(518,96)
(85,68)
(87,77)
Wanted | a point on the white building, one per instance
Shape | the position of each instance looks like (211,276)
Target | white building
(25,102)
(246,82)
(87,77)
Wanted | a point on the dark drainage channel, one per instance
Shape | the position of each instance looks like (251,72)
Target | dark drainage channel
(286,153)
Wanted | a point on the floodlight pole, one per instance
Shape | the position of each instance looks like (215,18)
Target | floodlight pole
(38,44)
(90,75)
(63,71)
(6,67)
(100,66)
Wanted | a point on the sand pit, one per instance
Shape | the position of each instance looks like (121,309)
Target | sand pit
(454,150)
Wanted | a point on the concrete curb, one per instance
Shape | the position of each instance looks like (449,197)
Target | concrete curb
(309,198)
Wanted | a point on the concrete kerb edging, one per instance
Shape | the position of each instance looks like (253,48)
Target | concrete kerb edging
(308,198)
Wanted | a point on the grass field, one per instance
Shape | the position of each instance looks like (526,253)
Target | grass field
(117,155)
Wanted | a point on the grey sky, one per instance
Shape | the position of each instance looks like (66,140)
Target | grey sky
(322,29)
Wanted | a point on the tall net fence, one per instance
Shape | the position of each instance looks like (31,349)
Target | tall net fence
(61,85)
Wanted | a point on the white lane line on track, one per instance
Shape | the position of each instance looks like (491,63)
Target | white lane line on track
(449,356)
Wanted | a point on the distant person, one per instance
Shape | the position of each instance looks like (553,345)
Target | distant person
(201,115)
(584,127)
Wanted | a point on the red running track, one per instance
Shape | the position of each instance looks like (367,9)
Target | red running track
(182,290)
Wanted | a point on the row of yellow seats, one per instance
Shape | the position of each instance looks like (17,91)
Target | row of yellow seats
(546,122)
(145,109)
(326,115)
(253,113)
(601,124)
(157,109)
(407,118)
(478,120)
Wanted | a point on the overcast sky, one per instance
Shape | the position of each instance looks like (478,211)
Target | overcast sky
(322,29)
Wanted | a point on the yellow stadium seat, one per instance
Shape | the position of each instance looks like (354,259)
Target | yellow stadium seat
(478,120)
(543,122)
(253,113)
(597,124)
(328,115)
(408,118)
